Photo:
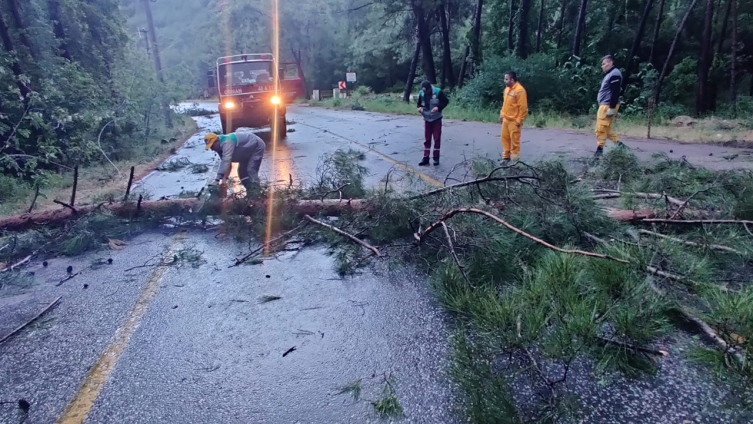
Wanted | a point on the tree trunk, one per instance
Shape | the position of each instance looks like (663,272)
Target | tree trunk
(511,28)
(724,28)
(704,61)
(15,66)
(540,26)
(580,25)
(447,71)
(637,42)
(157,61)
(476,36)
(657,28)
(53,7)
(672,50)
(424,37)
(412,71)
(561,24)
(525,8)
(463,66)
(22,29)
(733,61)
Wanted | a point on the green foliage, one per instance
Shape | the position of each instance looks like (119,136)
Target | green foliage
(340,175)
(619,163)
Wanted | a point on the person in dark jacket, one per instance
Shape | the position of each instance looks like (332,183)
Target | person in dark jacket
(245,149)
(431,103)
(609,104)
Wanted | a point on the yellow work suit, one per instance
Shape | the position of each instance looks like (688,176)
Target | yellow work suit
(513,113)
(604,125)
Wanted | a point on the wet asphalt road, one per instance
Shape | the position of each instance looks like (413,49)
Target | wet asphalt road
(194,345)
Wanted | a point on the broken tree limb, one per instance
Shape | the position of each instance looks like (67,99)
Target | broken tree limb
(344,234)
(34,201)
(128,187)
(710,333)
(329,207)
(685,203)
(614,193)
(75,185)
(455,255)
(629,215)
(75,212)
(488,178)
(690,243)
(452,213)
(634,347)
(29,322)
(695,221)
(267,245)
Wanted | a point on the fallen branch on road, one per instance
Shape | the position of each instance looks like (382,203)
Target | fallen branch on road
(452,213)
(695,221)
(344,234)
(615,193)
(691,243)
(36,317)
(455,255)
(634,347)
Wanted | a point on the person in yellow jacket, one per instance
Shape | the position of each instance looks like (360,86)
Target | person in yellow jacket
(514,112)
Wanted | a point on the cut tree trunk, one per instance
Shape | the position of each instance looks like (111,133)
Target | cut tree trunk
(671,52)
(522,49)
(580,25)
(637,42)
(657,28)
(704,62)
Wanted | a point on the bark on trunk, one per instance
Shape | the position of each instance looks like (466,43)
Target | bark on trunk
(637,42)
(476,36)
(525,8)
(579,27)
(511,27)
(464,65)
(723,32)
(174,207)
(22,29)
(672,50)
(447,72)
(657,28)
(424,35)
(15,66)
(157,61)
(561,24)
(53,7)
(412,71)
(540,26)
(733,61)
(704,61)
(298,62)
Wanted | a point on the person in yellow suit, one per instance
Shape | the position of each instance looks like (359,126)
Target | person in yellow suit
(514,112)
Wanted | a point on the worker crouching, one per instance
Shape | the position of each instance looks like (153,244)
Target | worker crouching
(245,149)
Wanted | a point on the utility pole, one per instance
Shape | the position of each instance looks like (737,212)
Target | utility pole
(152,36)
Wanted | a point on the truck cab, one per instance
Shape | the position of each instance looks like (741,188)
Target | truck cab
(250,92)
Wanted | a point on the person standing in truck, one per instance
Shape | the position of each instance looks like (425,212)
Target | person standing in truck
(609,104)
(431,103)
(245,149)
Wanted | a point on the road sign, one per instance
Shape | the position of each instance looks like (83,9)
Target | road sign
(350,77)
(342,85)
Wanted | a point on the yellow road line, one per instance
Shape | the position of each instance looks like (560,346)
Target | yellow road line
(79,407)
(423,176)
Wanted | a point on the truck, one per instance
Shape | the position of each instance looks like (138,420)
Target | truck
(249,95)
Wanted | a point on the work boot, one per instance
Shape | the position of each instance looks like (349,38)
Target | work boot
(436,161)
(599,152)
(424,162)
(505,161)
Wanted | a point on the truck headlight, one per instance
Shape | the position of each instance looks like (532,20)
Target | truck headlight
(275,100)
(229,105)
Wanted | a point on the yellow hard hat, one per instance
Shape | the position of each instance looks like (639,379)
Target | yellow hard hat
(210,139)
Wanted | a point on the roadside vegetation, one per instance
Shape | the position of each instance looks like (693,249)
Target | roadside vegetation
(550,272)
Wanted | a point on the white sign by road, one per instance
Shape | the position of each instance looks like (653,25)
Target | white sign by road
(350,77)
(341,85)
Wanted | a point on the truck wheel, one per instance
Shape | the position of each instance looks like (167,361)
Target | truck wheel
(282,127)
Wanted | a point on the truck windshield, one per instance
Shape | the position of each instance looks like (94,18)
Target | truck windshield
(245,73)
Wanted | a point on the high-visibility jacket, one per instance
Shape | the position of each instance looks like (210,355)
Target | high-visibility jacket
(515,106)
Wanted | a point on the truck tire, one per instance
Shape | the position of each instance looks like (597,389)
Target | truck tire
(282,127)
